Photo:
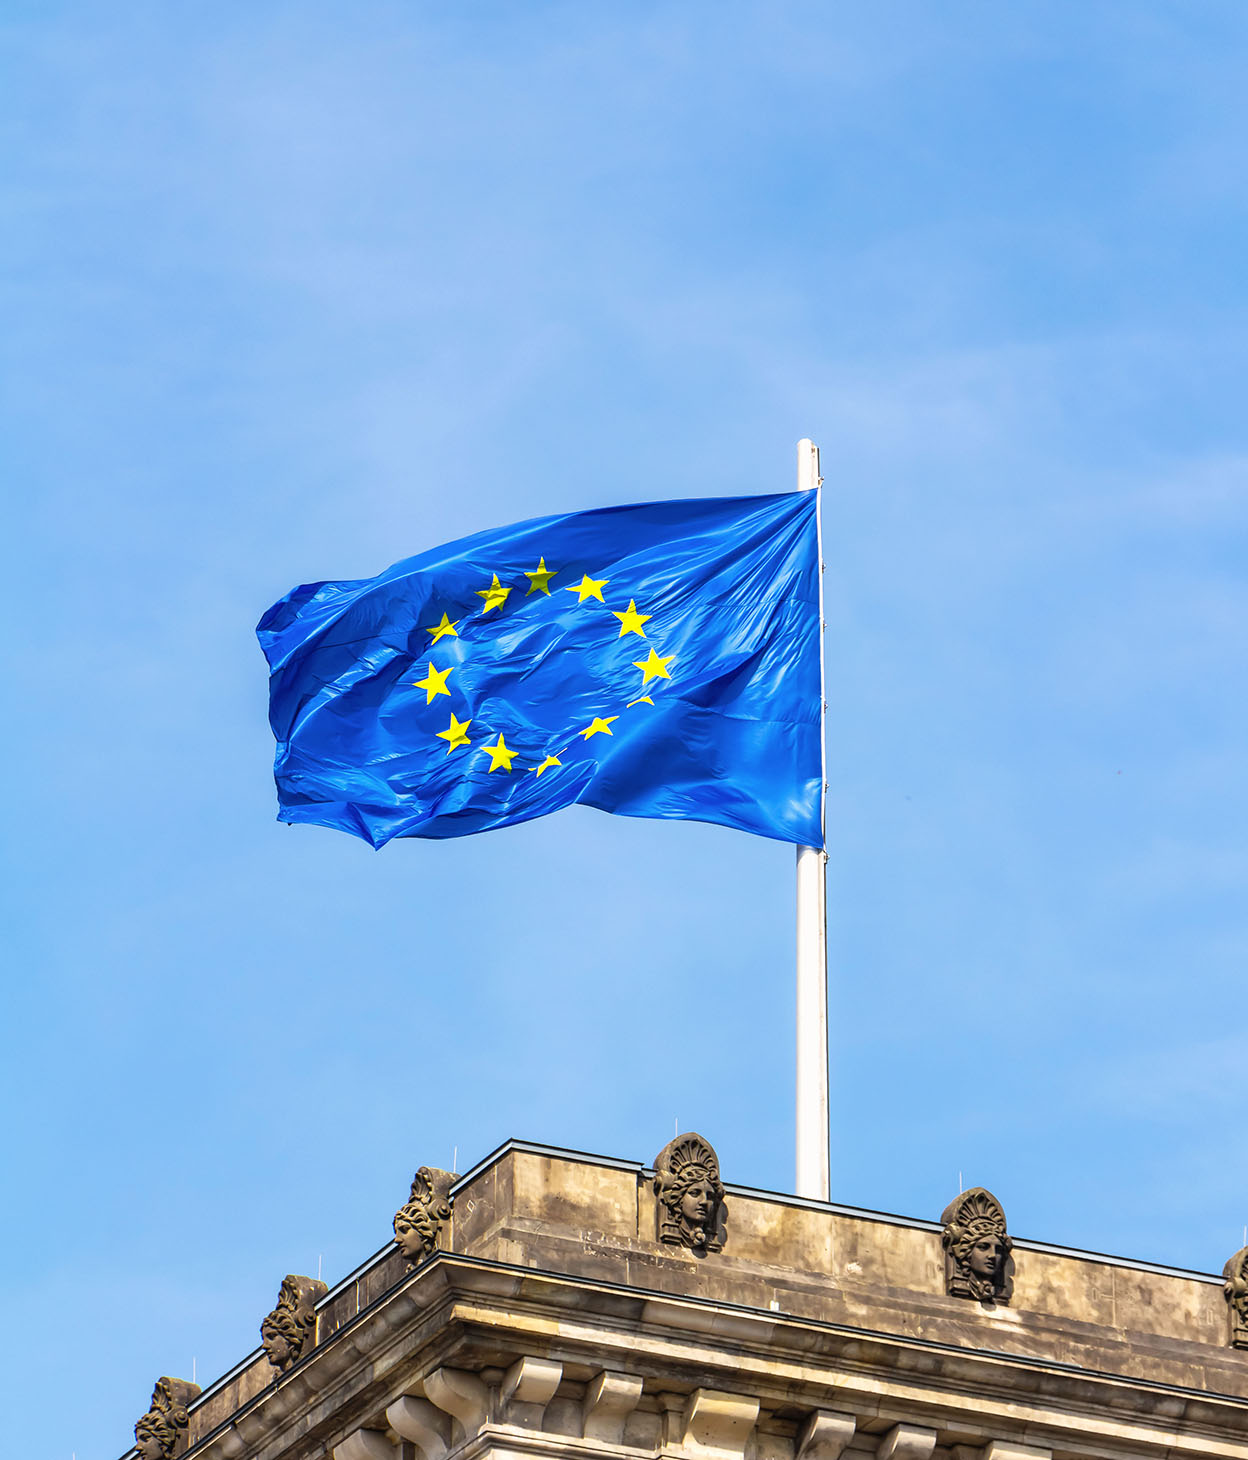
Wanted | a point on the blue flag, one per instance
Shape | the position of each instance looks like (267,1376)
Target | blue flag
(655,660)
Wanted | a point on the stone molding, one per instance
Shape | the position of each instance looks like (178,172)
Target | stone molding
(609,1400)
(463,1396)
(528,1387)
(717,1423)
(1005,1450)
(906,1442)
(365,1445)
(919,1385)
(422,1424)
(712,1425)
(825,1435)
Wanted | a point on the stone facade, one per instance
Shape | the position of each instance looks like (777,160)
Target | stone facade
(557,1322)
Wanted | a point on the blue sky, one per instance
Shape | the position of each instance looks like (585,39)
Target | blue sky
(291,291)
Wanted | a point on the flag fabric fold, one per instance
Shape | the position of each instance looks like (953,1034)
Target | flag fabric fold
(657,660)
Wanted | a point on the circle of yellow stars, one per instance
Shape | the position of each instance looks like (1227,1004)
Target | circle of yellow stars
(494,596)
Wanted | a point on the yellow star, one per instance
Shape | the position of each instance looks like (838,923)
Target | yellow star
(654,667)
(539,578)
(589,588)
(499,754)
(548,762)
(454,733)
(440,631)
(631,621)
(598,727)
(643,700)
(434,683)
(495,595)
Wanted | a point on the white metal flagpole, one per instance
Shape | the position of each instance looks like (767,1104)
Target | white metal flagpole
(812,933)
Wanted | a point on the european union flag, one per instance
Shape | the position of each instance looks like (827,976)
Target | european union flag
(655,660)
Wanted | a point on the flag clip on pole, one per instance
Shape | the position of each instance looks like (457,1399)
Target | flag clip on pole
(812,933)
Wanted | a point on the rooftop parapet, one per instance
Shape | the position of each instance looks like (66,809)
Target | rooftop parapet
(576,1299)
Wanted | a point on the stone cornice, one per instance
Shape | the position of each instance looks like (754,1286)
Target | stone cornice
(599,1307)
(464,1311)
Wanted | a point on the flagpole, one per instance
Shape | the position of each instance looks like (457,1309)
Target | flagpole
(812,932)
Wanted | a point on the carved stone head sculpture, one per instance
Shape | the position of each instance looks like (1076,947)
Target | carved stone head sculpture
(977,1248)
(1236,1289)
(418,1223)
(161,1432)
(290,1330)
(691,1211)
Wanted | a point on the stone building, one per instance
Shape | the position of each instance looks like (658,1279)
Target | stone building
(554,1304)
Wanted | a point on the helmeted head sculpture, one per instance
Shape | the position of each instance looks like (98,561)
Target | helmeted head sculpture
(1236,1289)
(418,1229)
(977,1248)
(690,1210)
(289,1331)
(161,1433)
